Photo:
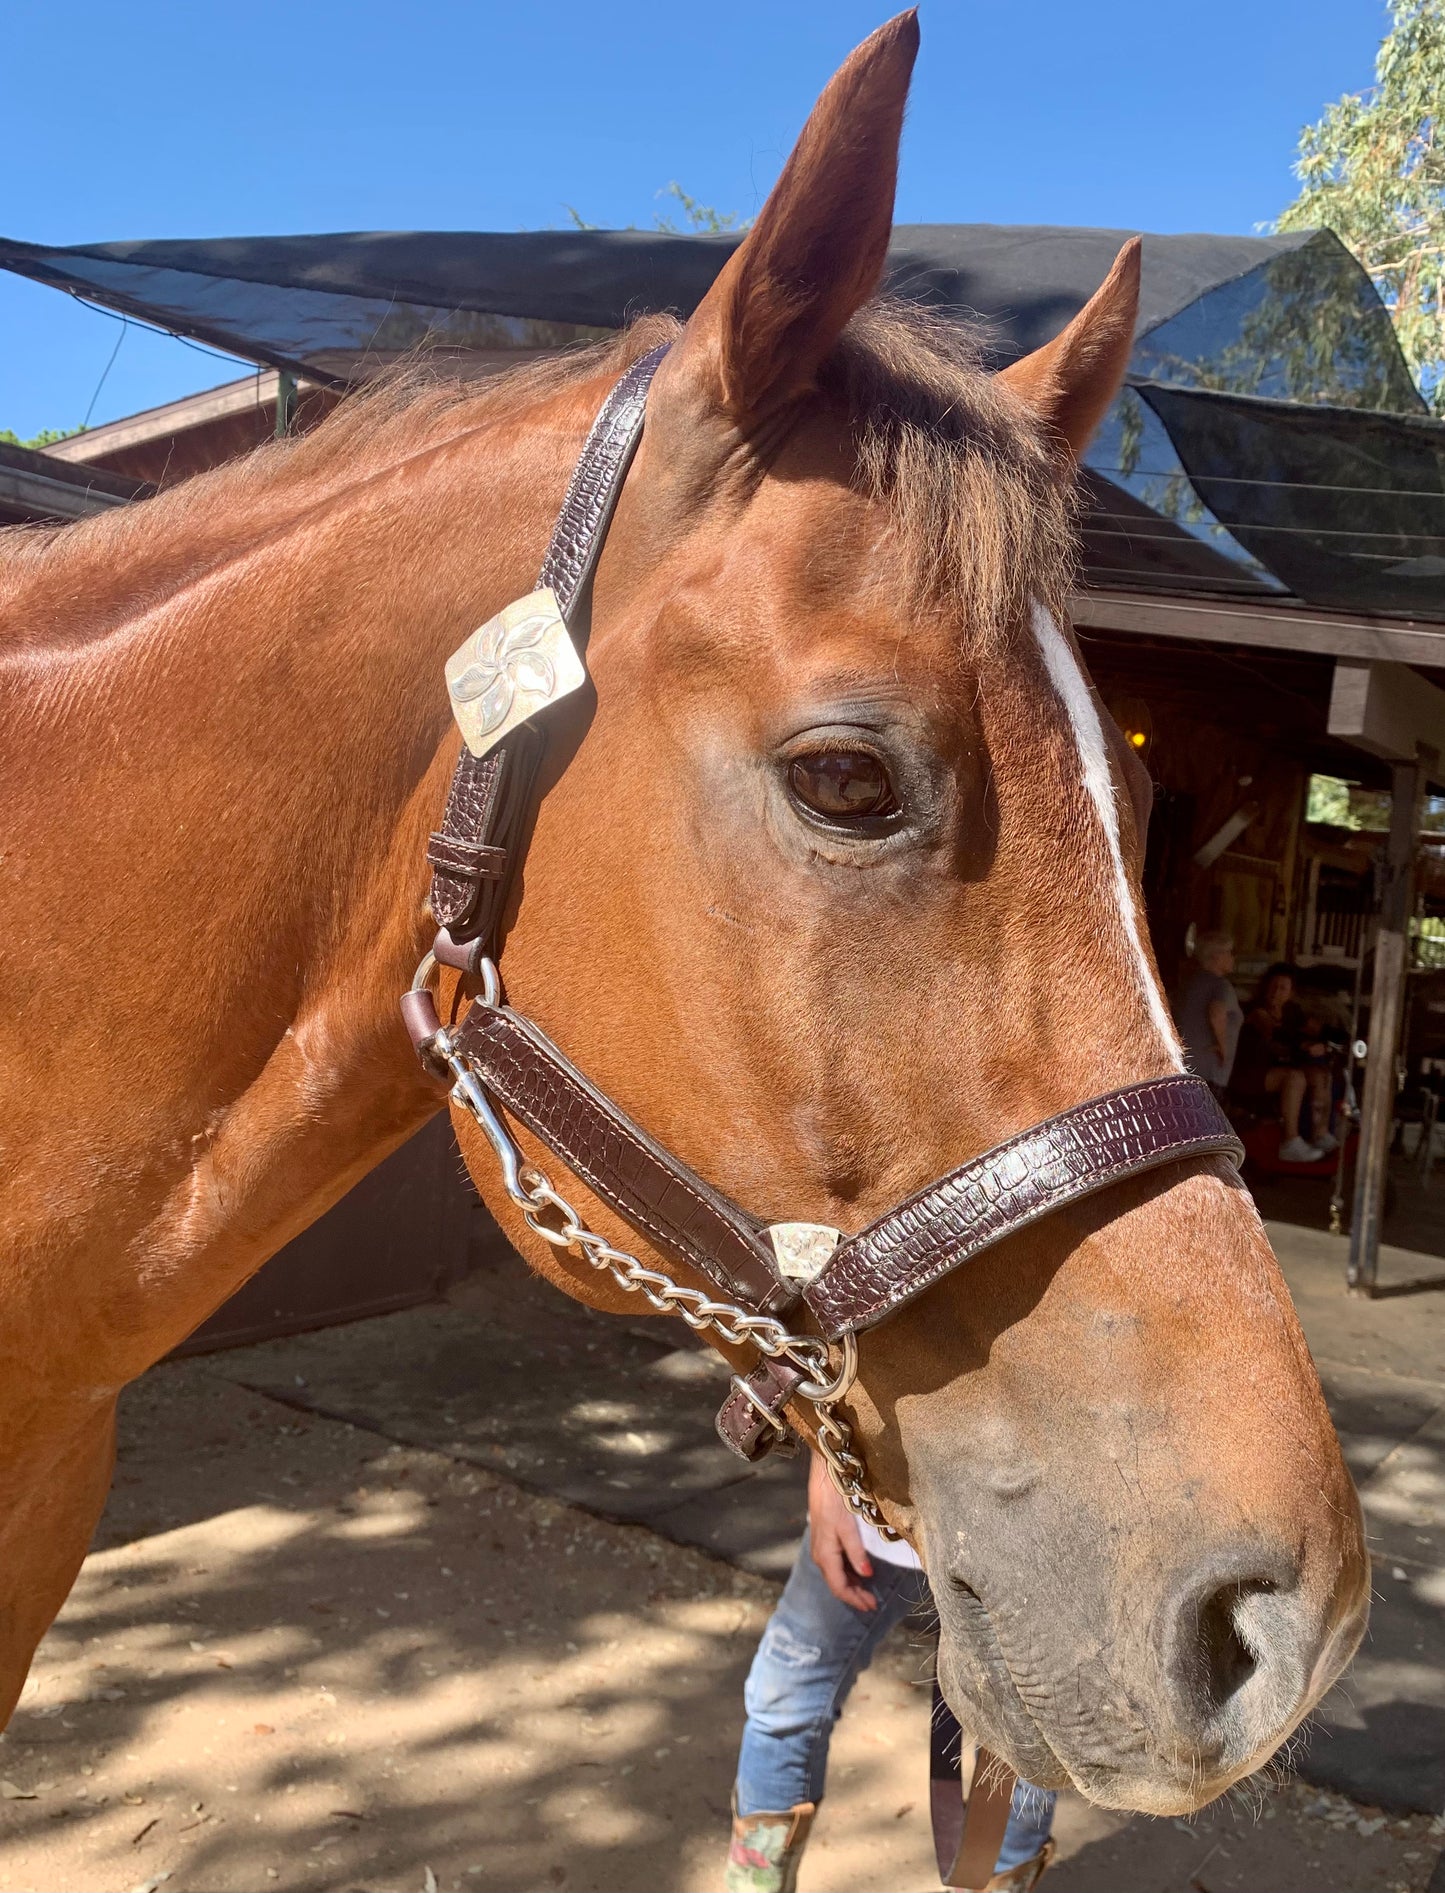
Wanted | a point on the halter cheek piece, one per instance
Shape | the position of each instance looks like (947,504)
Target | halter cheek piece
(762,1273)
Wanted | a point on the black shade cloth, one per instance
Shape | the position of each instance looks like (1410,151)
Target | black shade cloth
(309,303)
(1131,545)
(1344,506)
(1231,486)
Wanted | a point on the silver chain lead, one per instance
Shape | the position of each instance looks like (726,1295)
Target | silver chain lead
(549,1215)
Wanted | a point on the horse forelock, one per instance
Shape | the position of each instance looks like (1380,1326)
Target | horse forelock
(981,511)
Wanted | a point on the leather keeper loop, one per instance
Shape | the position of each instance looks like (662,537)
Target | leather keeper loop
(419,1016)
(462,956)
(474,861)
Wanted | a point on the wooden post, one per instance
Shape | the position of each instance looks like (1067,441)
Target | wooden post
(285,401)
(1387,1011)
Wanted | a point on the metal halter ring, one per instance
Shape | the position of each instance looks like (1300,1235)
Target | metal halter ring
(825,1392)
(486,971)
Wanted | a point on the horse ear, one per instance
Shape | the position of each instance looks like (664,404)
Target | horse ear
(817,250)
(1070,381)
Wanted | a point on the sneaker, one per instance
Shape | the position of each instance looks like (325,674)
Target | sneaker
(1296,1150)
(1327,1143)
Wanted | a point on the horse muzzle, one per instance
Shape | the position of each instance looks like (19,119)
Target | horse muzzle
(1239,1651)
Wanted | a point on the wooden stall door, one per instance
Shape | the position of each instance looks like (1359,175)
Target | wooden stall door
(401,1236)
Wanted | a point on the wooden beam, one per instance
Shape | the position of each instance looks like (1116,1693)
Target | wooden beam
(1262,625)
(1387,709)
(40,496)
(1387,1012)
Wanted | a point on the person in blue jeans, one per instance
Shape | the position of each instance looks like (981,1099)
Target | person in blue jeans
(848,1587)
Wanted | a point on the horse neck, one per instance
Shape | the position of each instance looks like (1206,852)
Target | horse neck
(226,797)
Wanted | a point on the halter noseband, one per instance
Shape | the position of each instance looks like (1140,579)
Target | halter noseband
(763,1272)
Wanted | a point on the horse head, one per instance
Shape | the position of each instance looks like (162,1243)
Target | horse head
(834,883)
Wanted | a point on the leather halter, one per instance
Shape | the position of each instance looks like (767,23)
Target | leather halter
(496,1055)
(474,860)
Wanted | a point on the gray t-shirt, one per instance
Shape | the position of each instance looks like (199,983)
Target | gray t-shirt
(1200,992)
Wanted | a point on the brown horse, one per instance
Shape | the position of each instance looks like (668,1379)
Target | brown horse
(834,883)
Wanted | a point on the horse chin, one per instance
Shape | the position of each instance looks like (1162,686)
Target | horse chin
(1002,1723)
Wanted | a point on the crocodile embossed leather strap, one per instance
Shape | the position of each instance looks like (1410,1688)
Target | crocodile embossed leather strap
(1067,1157)
(653,1190)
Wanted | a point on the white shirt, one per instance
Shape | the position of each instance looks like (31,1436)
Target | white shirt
(890,1550)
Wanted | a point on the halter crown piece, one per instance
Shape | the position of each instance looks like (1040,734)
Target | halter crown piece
(759,1274)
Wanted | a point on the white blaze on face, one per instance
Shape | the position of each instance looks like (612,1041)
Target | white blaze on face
(1068,681)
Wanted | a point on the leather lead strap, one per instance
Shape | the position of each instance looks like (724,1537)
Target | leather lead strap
(489,808)
(967,1834)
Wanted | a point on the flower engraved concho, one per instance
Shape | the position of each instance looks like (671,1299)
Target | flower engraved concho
(514,665)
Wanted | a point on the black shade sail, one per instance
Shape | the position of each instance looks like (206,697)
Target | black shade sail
(1273,441)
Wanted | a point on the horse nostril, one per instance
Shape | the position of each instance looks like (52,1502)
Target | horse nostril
(1226,1660)
(1227,1628)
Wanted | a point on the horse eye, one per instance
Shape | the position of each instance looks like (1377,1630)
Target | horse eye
(842,784)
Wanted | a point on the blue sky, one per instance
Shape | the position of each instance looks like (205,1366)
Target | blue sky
(161,119)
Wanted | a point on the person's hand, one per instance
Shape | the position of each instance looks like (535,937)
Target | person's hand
(837,1546)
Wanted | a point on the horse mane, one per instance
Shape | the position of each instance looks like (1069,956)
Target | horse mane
(980,512)
(64,584)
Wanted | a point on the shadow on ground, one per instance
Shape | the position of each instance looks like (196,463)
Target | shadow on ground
(393,1659)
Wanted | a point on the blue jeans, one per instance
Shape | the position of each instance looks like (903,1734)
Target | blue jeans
(812,1653)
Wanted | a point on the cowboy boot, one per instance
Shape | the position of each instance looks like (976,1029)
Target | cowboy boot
(766,1849)
(1024,1877)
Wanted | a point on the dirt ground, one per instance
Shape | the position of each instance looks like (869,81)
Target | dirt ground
(303,1656)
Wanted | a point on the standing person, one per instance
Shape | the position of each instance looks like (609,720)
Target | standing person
(848,1587)
(1209,1013)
